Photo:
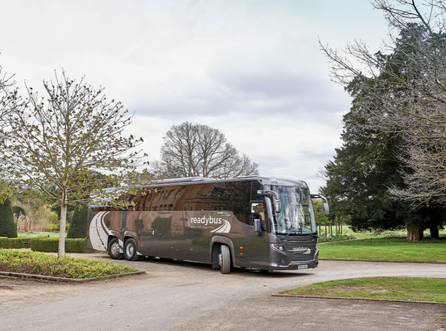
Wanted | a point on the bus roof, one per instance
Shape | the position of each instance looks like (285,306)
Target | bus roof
(279,181)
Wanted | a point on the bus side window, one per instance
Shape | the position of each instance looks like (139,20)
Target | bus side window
(257,212)
(235,197)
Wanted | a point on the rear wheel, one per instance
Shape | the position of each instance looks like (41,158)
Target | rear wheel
(130,252)
(224,259)
(114,250)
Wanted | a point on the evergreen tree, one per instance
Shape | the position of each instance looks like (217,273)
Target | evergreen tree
(360,174)
(78,227)
(371,169)
(7,226)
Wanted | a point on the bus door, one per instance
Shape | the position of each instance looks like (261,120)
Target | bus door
(258,241)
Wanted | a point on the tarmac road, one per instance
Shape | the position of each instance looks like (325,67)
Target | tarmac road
(186,296)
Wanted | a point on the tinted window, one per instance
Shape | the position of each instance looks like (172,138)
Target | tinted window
(236,198)
(199,197)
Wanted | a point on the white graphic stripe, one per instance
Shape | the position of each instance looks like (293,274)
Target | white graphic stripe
(225,228)
(98,236)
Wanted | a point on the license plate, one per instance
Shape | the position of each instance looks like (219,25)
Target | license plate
(302,266)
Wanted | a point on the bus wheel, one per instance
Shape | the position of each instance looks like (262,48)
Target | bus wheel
(224,259)
(114,250)
(130,253)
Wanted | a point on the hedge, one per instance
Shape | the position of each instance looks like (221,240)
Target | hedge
(21,242)
(52,245)
(7,226)
(78,227)
(17,210)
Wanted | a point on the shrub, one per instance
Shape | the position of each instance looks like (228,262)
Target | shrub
(78,227)
(53,217)
(21,242)
(69,267)
(17,211)
(7,225)
(52,245)
(52,227)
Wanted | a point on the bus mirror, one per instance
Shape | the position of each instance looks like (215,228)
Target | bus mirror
(257,225)
(277,206)
(276,200)
(318,196)
(327,210)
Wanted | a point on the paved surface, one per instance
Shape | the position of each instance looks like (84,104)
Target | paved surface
(186,296)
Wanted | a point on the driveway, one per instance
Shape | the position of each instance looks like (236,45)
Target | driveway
(187,296)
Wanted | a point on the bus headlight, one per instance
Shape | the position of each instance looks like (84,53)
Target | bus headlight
(278,248)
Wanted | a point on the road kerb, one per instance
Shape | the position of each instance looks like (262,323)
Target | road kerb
(68,280)
(362,299)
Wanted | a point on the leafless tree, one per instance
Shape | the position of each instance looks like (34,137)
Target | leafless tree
(191,150)
(403,88)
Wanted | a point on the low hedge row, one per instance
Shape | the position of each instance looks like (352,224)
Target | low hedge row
(45,244)
(20,242)
(52,245)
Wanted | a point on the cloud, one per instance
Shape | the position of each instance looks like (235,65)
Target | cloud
(251,69)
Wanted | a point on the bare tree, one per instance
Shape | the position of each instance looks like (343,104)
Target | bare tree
(198,150)
(52,146)
(404,93)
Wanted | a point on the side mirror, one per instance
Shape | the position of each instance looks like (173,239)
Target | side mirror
(257,225)
(318,196)
(327,210)
(277,206)
(276,201)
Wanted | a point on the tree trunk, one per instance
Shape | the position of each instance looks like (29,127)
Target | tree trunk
(63,222)
(433,227)
(415,232)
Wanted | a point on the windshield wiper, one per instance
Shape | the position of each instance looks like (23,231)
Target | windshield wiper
(285,236)
(296,234)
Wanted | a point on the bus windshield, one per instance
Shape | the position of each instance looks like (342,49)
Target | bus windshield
(297,215)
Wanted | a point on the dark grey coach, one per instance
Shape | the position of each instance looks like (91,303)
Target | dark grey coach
(251,222)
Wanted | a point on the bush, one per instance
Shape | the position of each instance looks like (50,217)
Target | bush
(53,217)
(69,267)
(17,211)
(53,227)
(78,227)
(52,245)
(21,242)
(7,225)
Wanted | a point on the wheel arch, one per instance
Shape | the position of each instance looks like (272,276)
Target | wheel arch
(134,236)
(215,244)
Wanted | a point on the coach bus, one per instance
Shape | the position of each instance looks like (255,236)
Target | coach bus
(251,222)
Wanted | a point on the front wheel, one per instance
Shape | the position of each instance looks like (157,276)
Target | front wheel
(114,250)
(130,252)
(224,259)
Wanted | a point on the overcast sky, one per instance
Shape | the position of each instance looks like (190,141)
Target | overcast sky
(251,69)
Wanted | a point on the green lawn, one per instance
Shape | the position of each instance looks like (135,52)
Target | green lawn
(39,234)
(390,288)
(385,234)
(384,250)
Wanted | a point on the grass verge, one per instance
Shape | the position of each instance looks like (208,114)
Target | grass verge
(49,265)
(384,250)
(387,288)
(39,234)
